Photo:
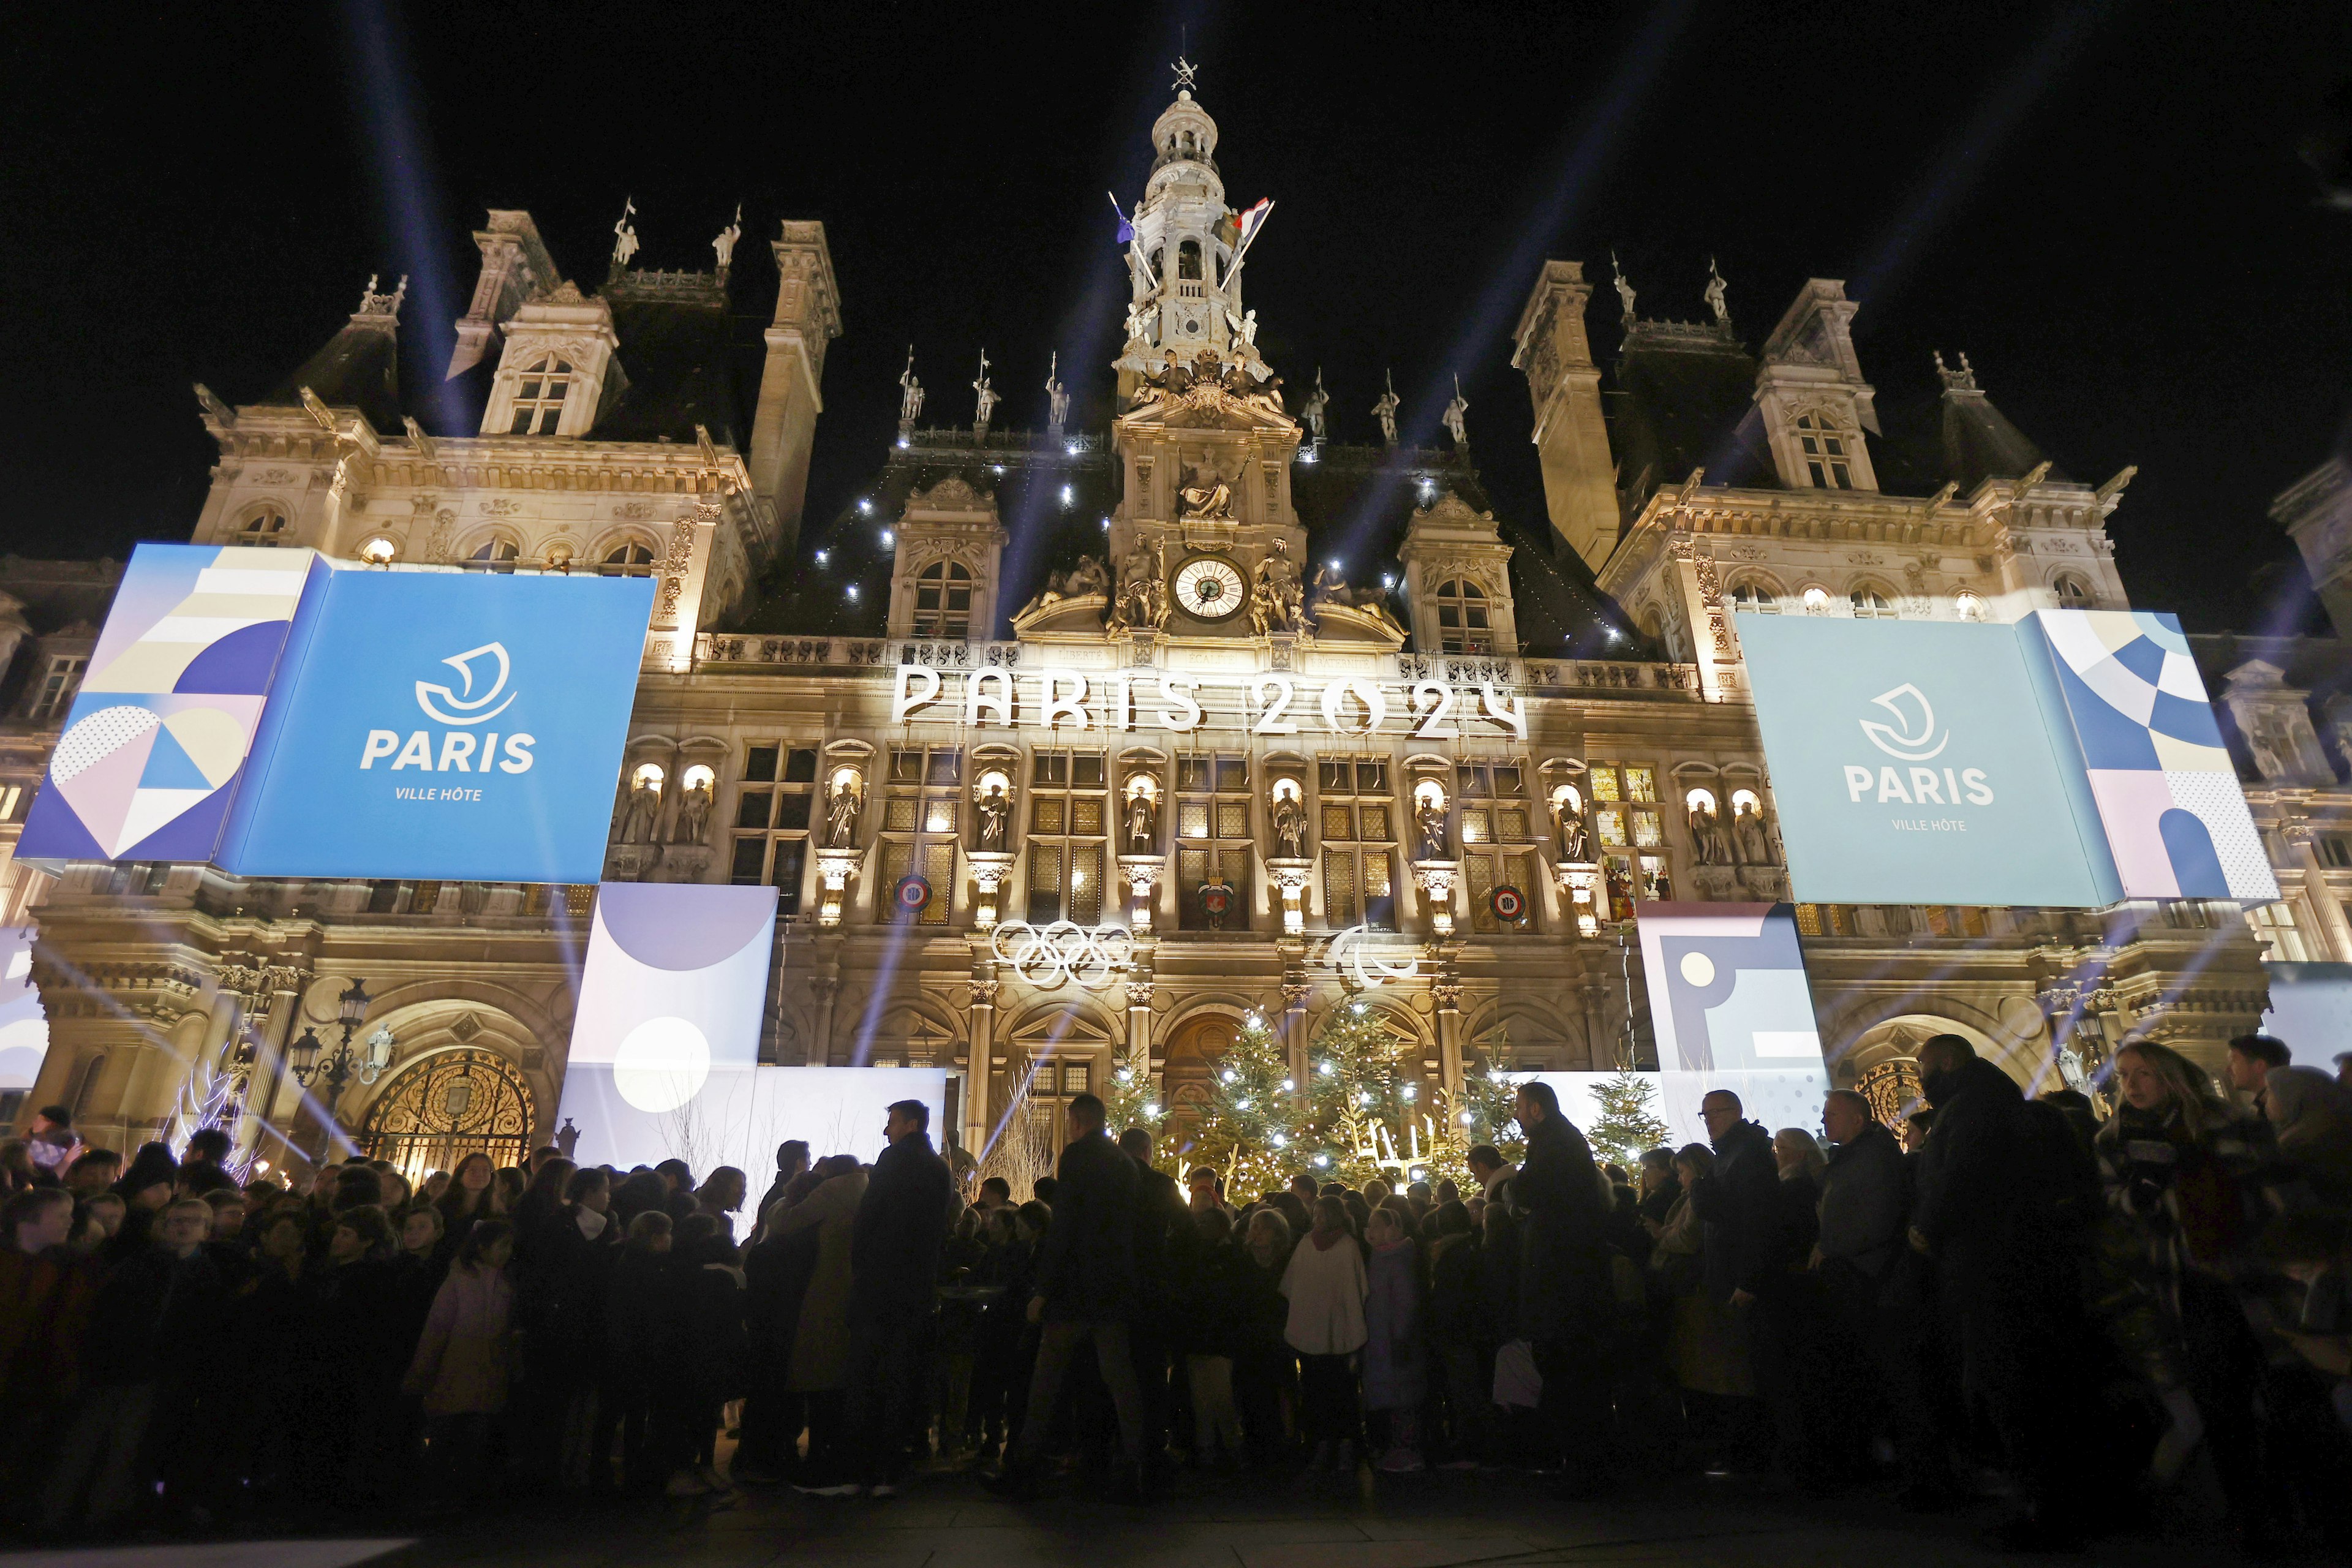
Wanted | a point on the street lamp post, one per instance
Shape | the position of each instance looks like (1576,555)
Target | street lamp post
(339,1067)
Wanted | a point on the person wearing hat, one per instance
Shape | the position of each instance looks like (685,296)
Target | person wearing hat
(144,1189)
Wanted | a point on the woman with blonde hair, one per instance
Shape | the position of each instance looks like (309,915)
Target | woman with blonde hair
(2189,1182)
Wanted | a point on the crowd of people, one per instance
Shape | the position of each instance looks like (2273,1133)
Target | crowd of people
(2019,1293)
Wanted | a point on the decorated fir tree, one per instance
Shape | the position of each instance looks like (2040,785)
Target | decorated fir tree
(1626,1124)
(1248,1125)
(1483,1111)
(1365,1114)
(1132,1100)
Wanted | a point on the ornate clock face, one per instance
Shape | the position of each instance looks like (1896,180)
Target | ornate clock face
(1208,587)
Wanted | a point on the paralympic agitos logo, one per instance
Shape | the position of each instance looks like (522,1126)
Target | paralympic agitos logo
(462,747)
(1913,738)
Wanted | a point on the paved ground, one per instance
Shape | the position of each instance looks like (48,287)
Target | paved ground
(1421,1521)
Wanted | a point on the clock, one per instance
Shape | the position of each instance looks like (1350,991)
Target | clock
(1208,587)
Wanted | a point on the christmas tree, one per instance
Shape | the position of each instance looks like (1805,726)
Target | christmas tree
(1248,1128)
(1365,1118)
(1133,1101)
(1483,1111)
(1626,1125)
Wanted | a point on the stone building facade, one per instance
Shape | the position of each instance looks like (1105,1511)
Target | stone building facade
(1069,749)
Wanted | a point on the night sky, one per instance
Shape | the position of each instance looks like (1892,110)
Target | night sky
(2103,206)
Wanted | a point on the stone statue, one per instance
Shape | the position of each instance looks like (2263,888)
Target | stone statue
(1748,833)
(1312,411)
(644,810)
(1429,820)
(625,236)
(1625,288)
(1707,836)
(984,395)
(1715,295)
(910,391)
(1088,576)
(1275,594)
(1289,826)
(1330,588)
(1207,497)
(2262,740)
(1385,410)
(841,811)
(1057,399)
(1453,420)
(994,810)
(725,244)
(1138,318)
(1574,846)
(1142,591)
(1244,328)
(693,814)
(1142,830)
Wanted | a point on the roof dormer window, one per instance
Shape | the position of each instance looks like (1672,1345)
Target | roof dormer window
(1463,625)
(943,601)
(1827,461)
(538,399)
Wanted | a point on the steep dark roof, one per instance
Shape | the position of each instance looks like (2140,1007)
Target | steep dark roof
(1686,398)
(677,357)
(1979,442)
(359,367)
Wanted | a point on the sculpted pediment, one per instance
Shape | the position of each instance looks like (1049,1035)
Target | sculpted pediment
(1207,395)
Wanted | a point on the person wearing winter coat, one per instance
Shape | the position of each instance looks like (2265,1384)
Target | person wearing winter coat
(1215,1302)
(462,1365)
(644,1320)
(1396,1377)
(1563,1207)
(1325,1286)
(819,1360)
(708,1370)
(894,1266)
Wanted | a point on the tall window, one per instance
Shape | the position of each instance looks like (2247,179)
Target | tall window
(498,556)
(2275,924)
(631,560)
(2074,593)
(1359,818)
(772,810)
(943,601)
(1625,819)
(539,400)
(1461,621)
(1212,835)
(59,684)
(1493,801)
(1067,811)
(923,792)
(1869,605)
(267,528)
(1187,260)
(1824,445)
(1754,596)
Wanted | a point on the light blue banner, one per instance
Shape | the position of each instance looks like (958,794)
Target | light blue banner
(1912,764)
(446,726)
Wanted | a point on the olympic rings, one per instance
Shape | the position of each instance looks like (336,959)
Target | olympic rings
(1065,951)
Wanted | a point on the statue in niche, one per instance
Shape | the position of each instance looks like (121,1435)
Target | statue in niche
(1142,826)
(1707,836)
(1208,498)
(2261,741)
(1574,846)
(994,809)
(1275,597)
(840,809)
(693,814)
(643,811)
(1429,821)
(1289,826)
(1142,591)
(1749,834)
(1317,402)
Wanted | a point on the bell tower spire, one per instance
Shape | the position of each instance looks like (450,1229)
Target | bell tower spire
(1183,275)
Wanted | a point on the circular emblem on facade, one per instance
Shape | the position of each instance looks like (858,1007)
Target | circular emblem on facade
(912,894)
(1208,587)
(1216,897)
(1507,903)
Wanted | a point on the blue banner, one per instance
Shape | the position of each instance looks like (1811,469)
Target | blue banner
(445,725)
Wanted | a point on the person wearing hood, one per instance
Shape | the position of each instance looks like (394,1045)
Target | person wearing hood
(2311,1115)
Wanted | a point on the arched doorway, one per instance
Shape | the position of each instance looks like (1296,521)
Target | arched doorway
(448,1106)
(1195,1047)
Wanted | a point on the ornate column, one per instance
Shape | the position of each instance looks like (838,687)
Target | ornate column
(1579,889)
(1435,879)
(834,867)
(283,984)
(1139,1017)
(825,988)
(1446,991)
(1294,1022)
(988,871)
(980,1060)
(2333,919)
(1290,876)
(1142,874)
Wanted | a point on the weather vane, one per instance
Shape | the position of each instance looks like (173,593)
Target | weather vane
(1185,73)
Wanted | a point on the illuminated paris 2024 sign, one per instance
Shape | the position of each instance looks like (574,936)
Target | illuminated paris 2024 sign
(1266,703)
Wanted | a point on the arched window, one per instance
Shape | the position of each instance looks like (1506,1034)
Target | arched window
(2074,593)
(1816,601)
(266,528)
(1461,623)
(943,601)
(495,555)
(1753,596)
(630,560)
(1187,260)
(1824,445)
(1970,607)
(1869,605)
(539,401)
